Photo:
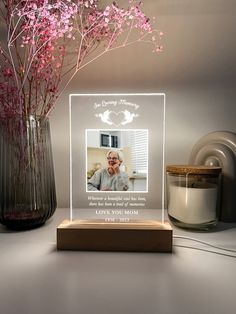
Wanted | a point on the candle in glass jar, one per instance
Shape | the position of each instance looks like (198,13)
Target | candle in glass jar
(193,196)
(193,205)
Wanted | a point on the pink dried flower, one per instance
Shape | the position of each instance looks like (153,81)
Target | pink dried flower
(7,72)
(49,41)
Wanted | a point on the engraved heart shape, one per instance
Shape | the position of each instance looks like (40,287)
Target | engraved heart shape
(116,117)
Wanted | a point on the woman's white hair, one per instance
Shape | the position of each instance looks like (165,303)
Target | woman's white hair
(119,154)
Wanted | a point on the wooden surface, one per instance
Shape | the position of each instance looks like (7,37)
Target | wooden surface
(145,236)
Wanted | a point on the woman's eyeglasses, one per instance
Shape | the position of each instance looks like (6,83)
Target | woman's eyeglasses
(112,158)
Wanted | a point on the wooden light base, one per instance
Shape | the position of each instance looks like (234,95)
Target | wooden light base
(147,236)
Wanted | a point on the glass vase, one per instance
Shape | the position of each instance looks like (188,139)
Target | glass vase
(27,184)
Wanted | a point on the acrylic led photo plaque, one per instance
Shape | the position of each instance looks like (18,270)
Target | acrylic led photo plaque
(117,148)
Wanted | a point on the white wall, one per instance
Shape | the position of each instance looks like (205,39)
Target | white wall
(197,70)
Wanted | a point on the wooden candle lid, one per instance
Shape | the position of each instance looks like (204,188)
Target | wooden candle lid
(195,170)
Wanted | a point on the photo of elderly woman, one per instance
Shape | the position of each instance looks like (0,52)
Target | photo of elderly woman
(117,160)
(110,178)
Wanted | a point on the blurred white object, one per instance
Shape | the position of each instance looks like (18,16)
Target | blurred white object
(219,149)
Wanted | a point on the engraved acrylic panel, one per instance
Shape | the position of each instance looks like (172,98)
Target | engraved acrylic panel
(117,147)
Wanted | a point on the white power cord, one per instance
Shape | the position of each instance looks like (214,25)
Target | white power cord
(204,243)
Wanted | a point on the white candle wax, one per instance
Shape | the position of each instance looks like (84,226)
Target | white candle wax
(193,205)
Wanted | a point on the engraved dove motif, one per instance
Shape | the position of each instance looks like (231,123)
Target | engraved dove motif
(128,117)
(117,118)
(105,117)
